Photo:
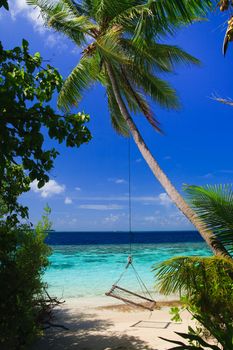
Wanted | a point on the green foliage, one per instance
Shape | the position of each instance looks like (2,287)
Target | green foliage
(4,3)
(214,205)
(25,90)
(14,182)
(195,342)
(207,290)
(175,313)
(125,35)
(23,259)
(205,284)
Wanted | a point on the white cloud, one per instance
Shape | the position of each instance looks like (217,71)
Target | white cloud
(100,207)
(117,180)
(164,199)
(76,50)
(120,181)
(207,176)
(111,218)
(68,200)
(31,13)
(49,189)
(171,220)
(77,188)
(151,219)
(122,198)
(19,8)
(56,40)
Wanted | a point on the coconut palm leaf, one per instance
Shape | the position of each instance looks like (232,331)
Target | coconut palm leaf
(108,46)
(118,122)
(136,101)
(156,56)
(161,17)
(75,28)
(214,205)
(63,17)
(159,90)
(80,79)
(193,275)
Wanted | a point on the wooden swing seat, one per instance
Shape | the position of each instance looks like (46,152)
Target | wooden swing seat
(144,303)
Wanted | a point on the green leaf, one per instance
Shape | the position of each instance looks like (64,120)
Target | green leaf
(4,3)
(214,205)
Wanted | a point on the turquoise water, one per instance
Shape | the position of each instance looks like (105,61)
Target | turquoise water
(90,270)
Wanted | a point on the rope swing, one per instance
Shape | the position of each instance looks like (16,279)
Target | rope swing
(144,299)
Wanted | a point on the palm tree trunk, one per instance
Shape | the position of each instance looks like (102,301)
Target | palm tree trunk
(174,195)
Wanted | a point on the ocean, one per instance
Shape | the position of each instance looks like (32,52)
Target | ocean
(86,264)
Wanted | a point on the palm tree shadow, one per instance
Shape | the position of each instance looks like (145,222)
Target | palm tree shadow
(85,332)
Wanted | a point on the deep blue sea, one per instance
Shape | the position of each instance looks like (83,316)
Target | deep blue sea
(86,264)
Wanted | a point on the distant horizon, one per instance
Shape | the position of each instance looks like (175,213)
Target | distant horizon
(121,237)
(123,231)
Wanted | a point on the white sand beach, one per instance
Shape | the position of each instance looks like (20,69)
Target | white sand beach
(103,323)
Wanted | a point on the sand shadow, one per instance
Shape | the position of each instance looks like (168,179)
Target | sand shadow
(85,332)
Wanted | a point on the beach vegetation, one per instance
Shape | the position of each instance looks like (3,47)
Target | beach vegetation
(205,284)
(14,182)
(23,257)
(123,49)
(27,86)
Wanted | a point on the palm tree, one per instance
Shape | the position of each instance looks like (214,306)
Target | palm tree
(123,52)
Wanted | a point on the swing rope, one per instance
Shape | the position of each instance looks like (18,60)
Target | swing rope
(146,296)
(129,199)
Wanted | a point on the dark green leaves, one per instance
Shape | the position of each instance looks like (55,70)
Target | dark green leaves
(195,342)
(205,284)
(14,182)
(214,205)
(80,79)
(23,259)
(25,89)
(4,3)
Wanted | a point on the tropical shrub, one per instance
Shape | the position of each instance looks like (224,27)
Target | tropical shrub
(23,259)
(27,86)
(206,287)
(205,284)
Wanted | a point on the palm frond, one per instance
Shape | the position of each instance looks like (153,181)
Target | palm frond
(80,79)
(118,122)
(76,29)
(225,101)
(63,17)
(171,55)
(47,7)
(74,8)
(162,17)
(109,47)
(159,90)
(214,205)
(193,275)
(157,57)
(135,100)
(109,9)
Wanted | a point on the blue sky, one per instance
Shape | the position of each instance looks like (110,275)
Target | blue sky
(88,187)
